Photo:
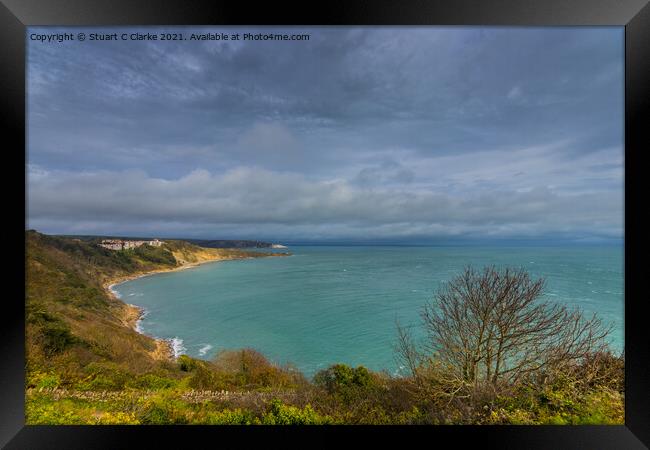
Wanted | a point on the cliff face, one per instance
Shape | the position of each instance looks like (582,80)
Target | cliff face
(75,327)
(187,253)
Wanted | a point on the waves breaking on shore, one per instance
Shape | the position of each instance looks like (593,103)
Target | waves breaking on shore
(177,346)
(138,323)
(113,291)
(204,349)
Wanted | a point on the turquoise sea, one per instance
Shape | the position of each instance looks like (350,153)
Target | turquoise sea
(329,304)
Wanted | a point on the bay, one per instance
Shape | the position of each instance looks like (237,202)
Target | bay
(339,304)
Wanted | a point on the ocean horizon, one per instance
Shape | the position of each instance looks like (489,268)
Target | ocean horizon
(330,304)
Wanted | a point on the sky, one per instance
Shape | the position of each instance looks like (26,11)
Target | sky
(422,134)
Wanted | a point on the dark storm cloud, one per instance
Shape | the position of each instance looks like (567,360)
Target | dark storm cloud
(393,131)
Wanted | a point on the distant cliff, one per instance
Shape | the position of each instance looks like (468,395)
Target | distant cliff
(229,243)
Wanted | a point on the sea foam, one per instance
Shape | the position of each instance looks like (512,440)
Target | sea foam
(203,350)
(114,292)
(177,346)
(138,323)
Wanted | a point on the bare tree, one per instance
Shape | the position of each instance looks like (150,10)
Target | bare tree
(492,327)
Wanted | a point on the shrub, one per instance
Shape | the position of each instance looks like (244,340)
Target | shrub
(41,380)
(281,414)
(56,337)
(231,417)
(117,418)
(204,379)
(249,368)
(603,407)
(40,411)
(153,382)
(341,378)
(187,364)
(163,409)
(103,376)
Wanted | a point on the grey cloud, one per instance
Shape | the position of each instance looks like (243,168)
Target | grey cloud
(255,196)
(357,127)
(270,144)
(387,172)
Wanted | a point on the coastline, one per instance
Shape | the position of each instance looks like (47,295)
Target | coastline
(132,314)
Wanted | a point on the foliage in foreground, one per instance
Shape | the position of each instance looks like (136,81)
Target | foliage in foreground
(338,395)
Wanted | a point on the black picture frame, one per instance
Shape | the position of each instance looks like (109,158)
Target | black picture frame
(634,15)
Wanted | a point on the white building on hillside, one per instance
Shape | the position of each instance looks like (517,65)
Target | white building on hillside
(119,244)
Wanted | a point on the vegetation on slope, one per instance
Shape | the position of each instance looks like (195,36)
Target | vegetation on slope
(86,365)
(75,329)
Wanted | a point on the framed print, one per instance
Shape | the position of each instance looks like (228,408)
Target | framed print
(383,219)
